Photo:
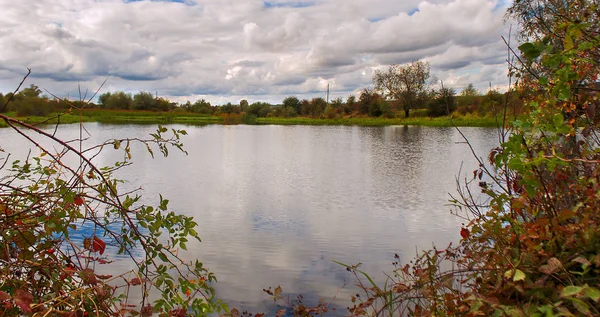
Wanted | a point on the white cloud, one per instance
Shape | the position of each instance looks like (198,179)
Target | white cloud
(227,50)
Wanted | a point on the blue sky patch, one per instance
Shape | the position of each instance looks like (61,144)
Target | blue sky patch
(413,11)
(374,20)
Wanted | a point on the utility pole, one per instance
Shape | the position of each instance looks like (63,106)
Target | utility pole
(328,93)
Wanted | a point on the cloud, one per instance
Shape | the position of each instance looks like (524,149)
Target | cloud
(261,50)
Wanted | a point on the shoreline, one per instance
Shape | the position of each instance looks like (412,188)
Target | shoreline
(144,117)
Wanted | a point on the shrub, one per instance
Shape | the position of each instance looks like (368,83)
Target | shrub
(60,223)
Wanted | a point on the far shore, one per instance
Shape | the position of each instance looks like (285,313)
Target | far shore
(149,117)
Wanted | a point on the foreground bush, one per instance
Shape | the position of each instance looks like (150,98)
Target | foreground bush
(531,246)
(62,225)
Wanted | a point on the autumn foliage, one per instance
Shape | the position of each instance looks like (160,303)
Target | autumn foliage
(531,241)
(63,226)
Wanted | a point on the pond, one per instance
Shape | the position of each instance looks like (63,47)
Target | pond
(276,205)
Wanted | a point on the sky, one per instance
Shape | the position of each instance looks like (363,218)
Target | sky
(228,50)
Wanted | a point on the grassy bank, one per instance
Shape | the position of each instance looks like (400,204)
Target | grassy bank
(461,121)
(128,116)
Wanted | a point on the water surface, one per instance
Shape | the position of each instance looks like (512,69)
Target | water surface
(276,205)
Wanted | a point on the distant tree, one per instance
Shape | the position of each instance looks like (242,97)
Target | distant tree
(202,106)
(244,105)
(31,91)
(337,104)
(444,103)
(470,90)
(117,100)
(350,104)
(144,101)
(403,82)
(469,99)
(259,109)
(367,100)
(493,102)
(317,106)
(187,106)
(305,106)
(329,112)
(294,103)
(227,108)
(163,104)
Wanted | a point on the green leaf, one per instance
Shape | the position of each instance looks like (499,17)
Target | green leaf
(558,120)
(571,291)
(592,293)
(519,275)
(529,50)
(580,305)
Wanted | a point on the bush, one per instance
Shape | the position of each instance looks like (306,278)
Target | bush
(531,245)
(61,223)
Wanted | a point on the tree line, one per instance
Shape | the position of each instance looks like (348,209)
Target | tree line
(396,91)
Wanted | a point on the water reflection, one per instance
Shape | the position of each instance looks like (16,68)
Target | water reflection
(277,204)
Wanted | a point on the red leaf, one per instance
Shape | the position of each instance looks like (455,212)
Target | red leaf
(135,281)
(98,245)
(4,296)
(464,232)
(23,300)
(78,200)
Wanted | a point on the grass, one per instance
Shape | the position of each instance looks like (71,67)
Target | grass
(461,121)
(132,116)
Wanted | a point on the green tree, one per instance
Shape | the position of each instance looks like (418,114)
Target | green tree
(32,91)
(117,100)
(367,100)
(259,109)
(443,104)
(144,101)
(294,103)
(403,82)
(187,106)
(317,107)
(350,104)
(227,108)
(202,106)
(244,105)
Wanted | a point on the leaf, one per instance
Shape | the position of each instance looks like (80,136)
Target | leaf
(4,296)
(78,200)
(552,267)
(529,50)
(135,281)
(98,245)
(580,305)
(592,293)
(277,293)
(583,261)
(464,233)
(87,244)
(519,275)
(88,276)
(571,291)
(23,300)
(516,275)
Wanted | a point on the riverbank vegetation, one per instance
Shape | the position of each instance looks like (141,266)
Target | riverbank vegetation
(530,242)
(373,107)
(531,237)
